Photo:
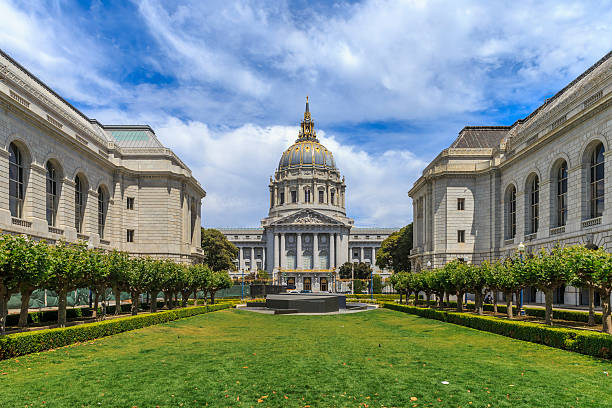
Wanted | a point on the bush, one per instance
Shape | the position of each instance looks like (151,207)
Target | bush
(19,344)
(379,296)
(581,341)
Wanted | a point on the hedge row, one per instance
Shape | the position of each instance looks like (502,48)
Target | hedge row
(379,296)
(580,341)
(569,315)
(19,344)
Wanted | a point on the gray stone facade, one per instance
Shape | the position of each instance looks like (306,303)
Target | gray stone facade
(74,179)
(542,181)
(306,236)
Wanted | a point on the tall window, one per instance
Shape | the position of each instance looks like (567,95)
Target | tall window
(102,206)
(16,181)
(333,198)
(307,196)
(78,204)
(511,213)
(282,198)
(52,194)
(562,194)
(321,196)
(460,204)
(596,180)
(460,236)
(294,196)
(534,204)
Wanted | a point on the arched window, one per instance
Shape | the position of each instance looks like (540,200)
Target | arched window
(16,181)
(534,204)
(562,194)
(79,207)
(596,180)
(511,213)
(307,195)
(52,194)
(102,207)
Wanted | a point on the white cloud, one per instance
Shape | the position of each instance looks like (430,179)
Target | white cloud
(234,167)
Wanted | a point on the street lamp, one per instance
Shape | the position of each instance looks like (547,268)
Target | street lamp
(521,251)
(428,264)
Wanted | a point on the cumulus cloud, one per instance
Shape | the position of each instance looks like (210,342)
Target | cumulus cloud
(391,81)
(234,167)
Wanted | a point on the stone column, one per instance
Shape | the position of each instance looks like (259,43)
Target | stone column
(240,259)
(253,262)
(361,255)
(282,251)
(315,251)
(276,250)
(373,257)
(263,258)
(298,252)
(332,253)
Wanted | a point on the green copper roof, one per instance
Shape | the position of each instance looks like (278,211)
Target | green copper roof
(135,138)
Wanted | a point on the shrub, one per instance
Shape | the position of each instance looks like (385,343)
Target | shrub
(581,341)
(19,344)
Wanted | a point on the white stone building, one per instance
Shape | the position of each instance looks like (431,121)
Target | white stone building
(68,177)
(306,236)
(545,180)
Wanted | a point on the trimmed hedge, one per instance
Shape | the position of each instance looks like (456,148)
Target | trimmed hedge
(569,315)
(580,341)
(378,296)
(18,344)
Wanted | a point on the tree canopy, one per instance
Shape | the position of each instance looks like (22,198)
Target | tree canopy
(219,253)
(395,249)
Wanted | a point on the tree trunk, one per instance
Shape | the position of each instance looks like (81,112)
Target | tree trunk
(439,297)
(61,308)
(94,312)
(428,298)
(134,303)
(153,304)
(185,297)
(25,306)
(400,293)
(195,297)
(519,307)
(548,295)
(478,302)
(460,302)
(447,299)
(494,303)
(212,297)
(591,307)
(117,302)
(509,304)
(605,311)
(3,309)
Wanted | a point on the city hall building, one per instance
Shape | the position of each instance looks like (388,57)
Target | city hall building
(68,177)
(544,181)
(306,236)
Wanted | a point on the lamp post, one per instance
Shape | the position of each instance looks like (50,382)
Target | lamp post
(428,264)
(371,283)
(521,250)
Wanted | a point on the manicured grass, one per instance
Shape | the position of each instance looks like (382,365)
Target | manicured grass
(237,358)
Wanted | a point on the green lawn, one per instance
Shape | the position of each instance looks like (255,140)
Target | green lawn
(238,358)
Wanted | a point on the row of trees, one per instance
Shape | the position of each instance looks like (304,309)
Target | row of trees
(27,265)
(547,271)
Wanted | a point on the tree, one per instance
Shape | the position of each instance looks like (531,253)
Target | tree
(362,270)
(200,275)
(458,280)
(394,251)
(509,280)
(476,282)
(170,282)
(377,284)
(30,261)
(96,277)
(358,286)
(118,264)
(548,271)
(137,280)
(67,272)
(219,253)
(220,280)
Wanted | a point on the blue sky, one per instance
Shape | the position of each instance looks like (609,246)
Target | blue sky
(223,83)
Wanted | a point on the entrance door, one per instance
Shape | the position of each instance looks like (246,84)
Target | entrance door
(291,283)
(324,285)
(307,283)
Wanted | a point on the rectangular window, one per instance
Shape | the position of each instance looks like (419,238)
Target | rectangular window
(460,204)
(130,203)
(461,236)
(321,196)
(282,198)
(294,196)
(130,235)
(333,196)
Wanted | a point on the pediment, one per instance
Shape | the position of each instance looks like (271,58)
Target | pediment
(307,217)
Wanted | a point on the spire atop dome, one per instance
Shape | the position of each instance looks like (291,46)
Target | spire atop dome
(307,131)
